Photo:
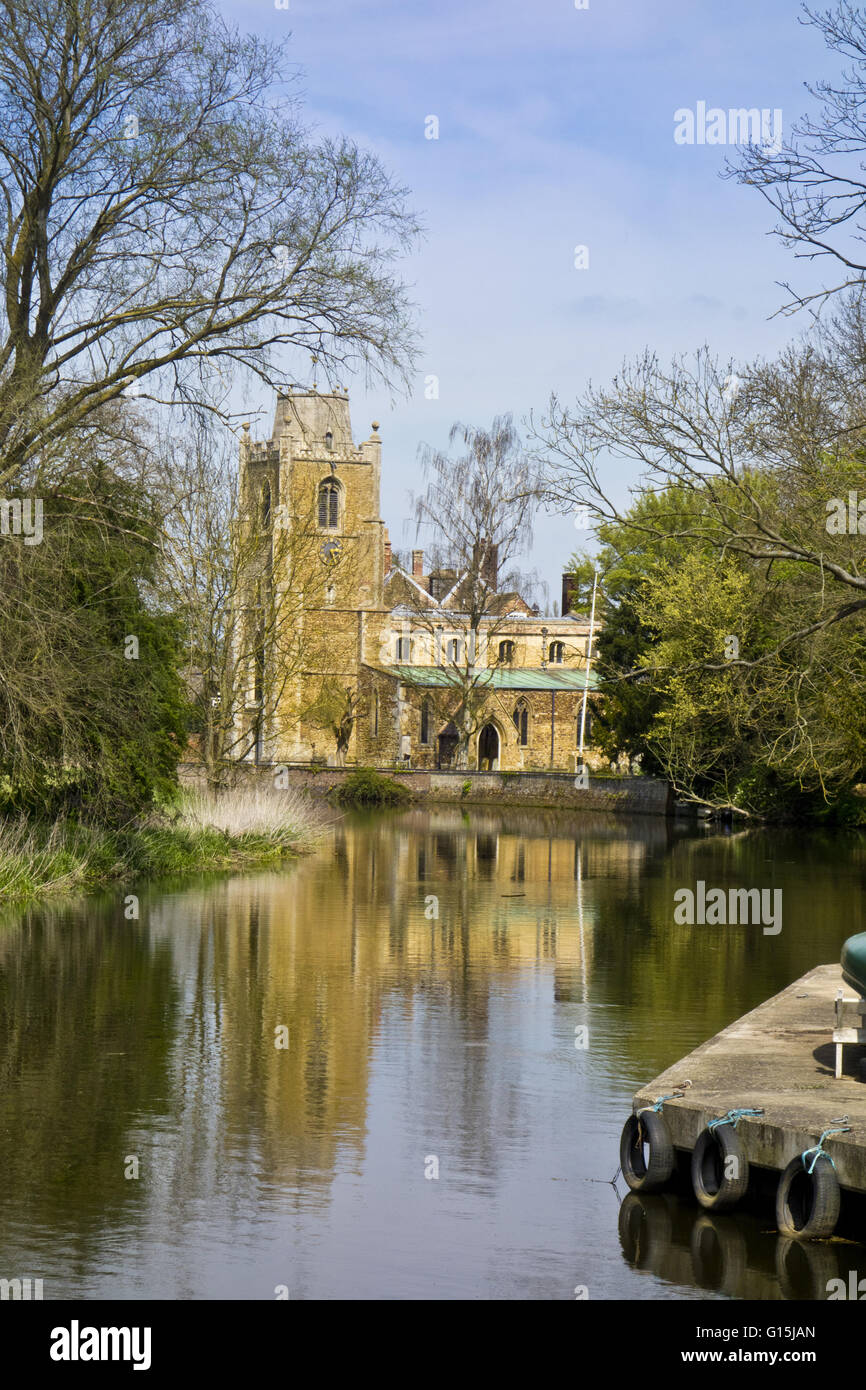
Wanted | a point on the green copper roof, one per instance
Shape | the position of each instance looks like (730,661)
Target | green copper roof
(497,677)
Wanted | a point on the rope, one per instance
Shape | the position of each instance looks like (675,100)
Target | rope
(674,1095)
(818,1149)
(733,1117)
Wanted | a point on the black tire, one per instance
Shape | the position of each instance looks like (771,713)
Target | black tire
(807,1204)
(646,1154)
(713,1153)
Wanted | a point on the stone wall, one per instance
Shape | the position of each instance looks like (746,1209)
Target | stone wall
(626,795)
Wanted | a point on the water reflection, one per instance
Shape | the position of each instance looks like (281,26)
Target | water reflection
(428,972)
(737,1256)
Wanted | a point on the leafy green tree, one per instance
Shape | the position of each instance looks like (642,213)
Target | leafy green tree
(714,669)
(92,708)
(748,720)
(623,712)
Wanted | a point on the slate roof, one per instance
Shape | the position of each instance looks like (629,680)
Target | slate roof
(496,677)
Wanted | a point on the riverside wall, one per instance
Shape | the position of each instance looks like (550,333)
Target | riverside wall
(648,796)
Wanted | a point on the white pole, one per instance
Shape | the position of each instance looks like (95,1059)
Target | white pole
(588,665)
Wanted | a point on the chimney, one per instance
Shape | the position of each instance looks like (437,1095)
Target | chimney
(488,564)
(387,551)
(417,564)
(569,590)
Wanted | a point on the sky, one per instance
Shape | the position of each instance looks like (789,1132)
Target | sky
(555,130)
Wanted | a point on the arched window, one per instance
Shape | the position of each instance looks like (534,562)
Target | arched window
(329,505)
(259,669)
(404,649)
(425,720)
(506,652)
(455,650)
(556,653)
(521,722)
(265,504)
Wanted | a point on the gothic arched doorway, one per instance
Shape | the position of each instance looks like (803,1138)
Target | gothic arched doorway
(488,749)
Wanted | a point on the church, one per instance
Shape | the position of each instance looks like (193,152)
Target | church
(384,668)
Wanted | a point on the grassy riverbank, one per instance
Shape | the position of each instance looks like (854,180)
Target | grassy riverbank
(202,832)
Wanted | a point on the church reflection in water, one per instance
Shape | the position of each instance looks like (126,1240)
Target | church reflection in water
(281,1052)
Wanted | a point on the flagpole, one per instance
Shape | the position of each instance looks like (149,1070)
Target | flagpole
(588,665)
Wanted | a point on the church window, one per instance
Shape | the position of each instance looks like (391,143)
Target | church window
(557,651)
(404,649)
(329,506)
(521,722)
(506,652)
(455,650)
(265,504)
(425,720)
(259,669)
(376,715)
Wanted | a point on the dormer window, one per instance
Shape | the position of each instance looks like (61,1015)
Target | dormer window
(329,505)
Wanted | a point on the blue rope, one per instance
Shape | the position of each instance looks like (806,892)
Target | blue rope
(733,1117)
(674,1095)
(818,1149)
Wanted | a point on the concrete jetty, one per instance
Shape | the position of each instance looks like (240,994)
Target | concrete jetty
(781,1058)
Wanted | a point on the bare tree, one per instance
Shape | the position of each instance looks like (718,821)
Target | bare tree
(763,452)
(166,220)
(815,183)
(478,505)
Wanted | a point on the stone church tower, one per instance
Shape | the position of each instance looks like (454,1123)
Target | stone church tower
(320,493)
(347,656)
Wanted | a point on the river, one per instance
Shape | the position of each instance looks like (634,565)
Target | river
(396,1069)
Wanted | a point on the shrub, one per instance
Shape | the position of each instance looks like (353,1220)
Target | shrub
(365,787)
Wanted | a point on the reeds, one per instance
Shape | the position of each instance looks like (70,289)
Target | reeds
(203,832)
